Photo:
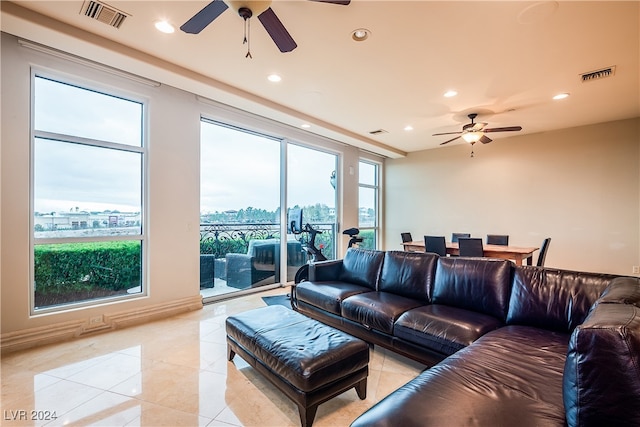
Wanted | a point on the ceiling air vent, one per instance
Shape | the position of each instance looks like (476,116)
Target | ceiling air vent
(378,132)
(598,74)
(104,13)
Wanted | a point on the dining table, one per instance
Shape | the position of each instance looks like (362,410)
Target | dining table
(516,254)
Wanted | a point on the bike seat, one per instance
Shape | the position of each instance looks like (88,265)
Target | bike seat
(351,232)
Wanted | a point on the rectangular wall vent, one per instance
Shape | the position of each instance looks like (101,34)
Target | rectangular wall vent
(598,74)
(378,132)
(104,13)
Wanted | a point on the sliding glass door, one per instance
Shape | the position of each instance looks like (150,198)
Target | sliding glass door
(239,210)
(311,187)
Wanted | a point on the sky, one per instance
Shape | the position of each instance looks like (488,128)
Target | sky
(74,175)
(238,169)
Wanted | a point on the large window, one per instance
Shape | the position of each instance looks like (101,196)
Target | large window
(368,195)
(87,195)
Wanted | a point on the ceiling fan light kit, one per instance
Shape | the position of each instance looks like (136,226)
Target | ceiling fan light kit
(472,136)
(257,7)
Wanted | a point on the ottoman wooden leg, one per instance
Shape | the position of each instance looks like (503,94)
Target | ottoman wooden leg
(230,353)
(361,389)
(307,415)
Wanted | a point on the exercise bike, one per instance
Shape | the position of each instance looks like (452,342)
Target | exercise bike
(315,254)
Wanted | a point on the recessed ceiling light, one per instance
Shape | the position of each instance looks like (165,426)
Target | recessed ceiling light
(164,26)
(360,35)
(274,78)
(561,96)
(408,128)
(305,125)
(450,93)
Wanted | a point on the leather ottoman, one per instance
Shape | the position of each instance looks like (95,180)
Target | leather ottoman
(308,361)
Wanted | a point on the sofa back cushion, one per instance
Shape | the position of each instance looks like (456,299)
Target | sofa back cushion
(263,250)
(556,300)
(362,267)
(478,284)
(409,274)
(601,383)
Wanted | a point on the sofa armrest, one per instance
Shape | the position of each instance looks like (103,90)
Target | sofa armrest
(622,290)
(601,384)
(238,260)
(325,270)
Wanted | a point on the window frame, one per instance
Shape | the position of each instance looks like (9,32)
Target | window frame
(76,81)
(376,188)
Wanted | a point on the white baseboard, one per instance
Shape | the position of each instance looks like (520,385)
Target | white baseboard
(64,331)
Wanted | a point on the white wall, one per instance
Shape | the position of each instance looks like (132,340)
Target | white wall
(579,186)
(173,196)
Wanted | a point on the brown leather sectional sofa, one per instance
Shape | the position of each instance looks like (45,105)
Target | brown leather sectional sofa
(506,345)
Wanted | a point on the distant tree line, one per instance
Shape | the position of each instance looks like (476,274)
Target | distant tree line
(312,213)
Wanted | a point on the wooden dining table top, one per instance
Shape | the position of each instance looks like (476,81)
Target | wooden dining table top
(514,253)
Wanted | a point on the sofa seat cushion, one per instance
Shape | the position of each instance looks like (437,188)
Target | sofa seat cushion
(442,328)
(377,310)
(329,295)
(509,377)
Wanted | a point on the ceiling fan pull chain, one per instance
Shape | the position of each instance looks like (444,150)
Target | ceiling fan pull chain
(247,37)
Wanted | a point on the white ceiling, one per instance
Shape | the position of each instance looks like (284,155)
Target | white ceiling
(505,59)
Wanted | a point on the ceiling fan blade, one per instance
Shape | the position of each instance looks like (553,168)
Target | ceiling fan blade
(447,133)
(342,2)
(505,129)
(276,30)
(446,142)
(200,20)
(485,139)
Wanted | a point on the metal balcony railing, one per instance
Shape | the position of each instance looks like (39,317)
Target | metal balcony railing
(220,239)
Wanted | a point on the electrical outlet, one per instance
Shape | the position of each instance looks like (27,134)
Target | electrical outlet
(96,320)
(635,269)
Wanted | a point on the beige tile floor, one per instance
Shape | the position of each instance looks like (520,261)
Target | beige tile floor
(172,372)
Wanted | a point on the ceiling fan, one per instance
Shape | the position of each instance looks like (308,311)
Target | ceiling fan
(474,132)
(246,9)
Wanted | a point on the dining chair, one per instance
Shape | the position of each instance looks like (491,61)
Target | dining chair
(498,239)
(436,245)
(470,246)
(543,252)
(406,237)
(456,236)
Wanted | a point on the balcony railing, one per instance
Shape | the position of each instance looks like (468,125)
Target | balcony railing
(220,239)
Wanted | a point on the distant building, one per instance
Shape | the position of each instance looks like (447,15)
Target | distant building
(81,220)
